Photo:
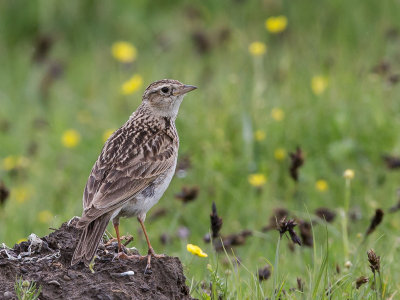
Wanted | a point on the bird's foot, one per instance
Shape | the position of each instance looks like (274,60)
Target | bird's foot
(73,219)
(125,238)
(110,241)
(150,254)
(122,255)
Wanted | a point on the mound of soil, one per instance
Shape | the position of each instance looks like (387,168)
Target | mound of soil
(46,261)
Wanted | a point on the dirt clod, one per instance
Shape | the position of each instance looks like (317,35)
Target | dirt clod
(49,266)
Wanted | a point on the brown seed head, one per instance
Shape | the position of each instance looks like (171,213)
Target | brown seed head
(392,162)
(306,233)
(337,268)
(297,160)
(360,281)
(376,220)
(300,284)
(288,226)
(216,221)
(326,214)
(201,41)
(42,47)
(279,214)
(187,194)
(229,241)
(394,78)
(382,68)
(374,261)
(264,273)
(158,213)
(4,193)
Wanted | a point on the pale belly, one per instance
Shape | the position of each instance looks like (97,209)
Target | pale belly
(141,203)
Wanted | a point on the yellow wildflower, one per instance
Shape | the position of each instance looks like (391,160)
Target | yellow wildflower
(321,185)
(257,179)
(280,154)
(276,24)
(70,138)
(277,114)
(45,216)
(124,52)
(14,161)
(319,84)
(21,240)
(260,135)
(107,134)
(257,48)
(20,194)
(9,162)
(195,250)
(348,174)
(132,85)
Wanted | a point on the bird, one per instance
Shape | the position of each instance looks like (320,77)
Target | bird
(133,170)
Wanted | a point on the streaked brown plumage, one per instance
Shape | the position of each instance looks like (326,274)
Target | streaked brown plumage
(134,168)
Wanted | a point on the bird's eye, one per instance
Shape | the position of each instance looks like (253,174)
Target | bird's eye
(165,90)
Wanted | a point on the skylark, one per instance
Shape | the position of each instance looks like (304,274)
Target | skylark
(133,170)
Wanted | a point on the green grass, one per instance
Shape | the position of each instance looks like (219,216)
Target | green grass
(350,125)
(26,290)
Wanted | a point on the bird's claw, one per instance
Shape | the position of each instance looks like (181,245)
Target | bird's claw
(147,270)
(72,220)
(126,238)
(152,253)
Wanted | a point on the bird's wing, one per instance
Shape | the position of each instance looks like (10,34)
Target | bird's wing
(125,168)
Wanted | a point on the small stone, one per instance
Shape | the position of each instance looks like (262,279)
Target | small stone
(35,243)
(55,283)
(66,278)
(127,273)
(71,274)
(8,295)
(145,288)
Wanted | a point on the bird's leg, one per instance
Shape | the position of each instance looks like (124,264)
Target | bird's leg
(116,227)
(121,253)
(118,239)
(150,252)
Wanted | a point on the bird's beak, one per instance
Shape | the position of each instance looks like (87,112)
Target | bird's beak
(184,89)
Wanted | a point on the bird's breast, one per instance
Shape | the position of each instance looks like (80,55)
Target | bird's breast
(147,198)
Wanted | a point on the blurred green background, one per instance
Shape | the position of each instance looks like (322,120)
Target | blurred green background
(327,81)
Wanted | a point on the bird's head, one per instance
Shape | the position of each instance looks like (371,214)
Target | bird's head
(164,97)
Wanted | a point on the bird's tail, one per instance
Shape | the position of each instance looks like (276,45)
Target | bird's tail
(90,239)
